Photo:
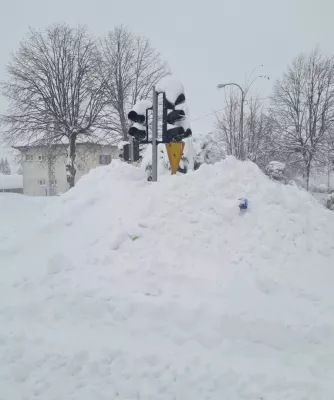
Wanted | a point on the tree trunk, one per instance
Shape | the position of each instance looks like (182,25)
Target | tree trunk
(308,169)
(328,180)
(123,125)
(70,166)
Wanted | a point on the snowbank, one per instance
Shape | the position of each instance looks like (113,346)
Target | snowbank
(123,289)
(14,181)
(330,202)
(276,170)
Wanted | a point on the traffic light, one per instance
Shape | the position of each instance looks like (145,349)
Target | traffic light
(175,123)
(180,99)
(138,132)
(139,115)
(126,152)
(136,150)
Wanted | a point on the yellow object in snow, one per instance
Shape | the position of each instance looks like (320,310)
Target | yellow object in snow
(174,151)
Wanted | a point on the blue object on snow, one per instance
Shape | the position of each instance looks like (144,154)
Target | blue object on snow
(243,205)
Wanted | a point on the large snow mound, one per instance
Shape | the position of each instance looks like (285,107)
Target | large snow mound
(124,289)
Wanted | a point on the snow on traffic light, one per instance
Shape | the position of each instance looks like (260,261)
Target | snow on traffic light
(175,122)
(138,115)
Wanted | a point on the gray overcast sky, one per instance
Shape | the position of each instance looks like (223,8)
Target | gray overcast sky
(204,42)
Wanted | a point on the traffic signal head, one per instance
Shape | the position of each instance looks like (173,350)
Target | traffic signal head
(138,131)
(173,91)
(175,115)
(175,124)
(135,117)
(138,112)
(174,130)
(172,103)
(138,115)
(187,133)
(173,134)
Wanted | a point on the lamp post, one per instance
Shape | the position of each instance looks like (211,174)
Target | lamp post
(240,154)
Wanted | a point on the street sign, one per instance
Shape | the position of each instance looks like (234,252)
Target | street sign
(174,151)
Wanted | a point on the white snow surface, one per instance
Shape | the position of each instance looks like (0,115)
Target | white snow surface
(125,289)
(171,86)
(14,181)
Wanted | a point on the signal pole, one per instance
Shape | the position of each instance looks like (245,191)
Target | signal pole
(154,136)
(175,126)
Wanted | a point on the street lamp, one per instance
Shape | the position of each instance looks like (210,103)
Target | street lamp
(240,154)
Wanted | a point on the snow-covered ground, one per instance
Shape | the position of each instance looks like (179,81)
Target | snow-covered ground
(124,289)
(14,181)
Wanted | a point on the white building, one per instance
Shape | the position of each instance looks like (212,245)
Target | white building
(44,172)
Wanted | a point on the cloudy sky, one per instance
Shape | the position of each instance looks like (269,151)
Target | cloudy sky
(205,42)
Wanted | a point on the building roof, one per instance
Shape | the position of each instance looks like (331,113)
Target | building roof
(96,137)
(14,181)
(29,146)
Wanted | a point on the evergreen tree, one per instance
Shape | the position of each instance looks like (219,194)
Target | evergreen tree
(2,166)
(7,170)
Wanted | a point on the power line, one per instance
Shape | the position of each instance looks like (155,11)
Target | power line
(222,109)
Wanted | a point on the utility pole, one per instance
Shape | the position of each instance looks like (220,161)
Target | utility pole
(154,136)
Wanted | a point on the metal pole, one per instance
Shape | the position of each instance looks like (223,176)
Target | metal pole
(240,149)
(154,136)
(328,180)
(131,150)
(241,142)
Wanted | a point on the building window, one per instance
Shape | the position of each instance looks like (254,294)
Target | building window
(41,158)
(105,159)
(29,157)
(41,182)
(53,182)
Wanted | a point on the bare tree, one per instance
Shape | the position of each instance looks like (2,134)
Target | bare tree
(304,109)
(228,124)
(259,146)
(256,136)
(54,90)
(131,67)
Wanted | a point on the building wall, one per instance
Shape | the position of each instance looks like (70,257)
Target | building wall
(36,171)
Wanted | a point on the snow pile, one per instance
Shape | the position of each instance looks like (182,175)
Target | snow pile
(209,148)
(124,289)
(14,181)
(275,170)
(330,201)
